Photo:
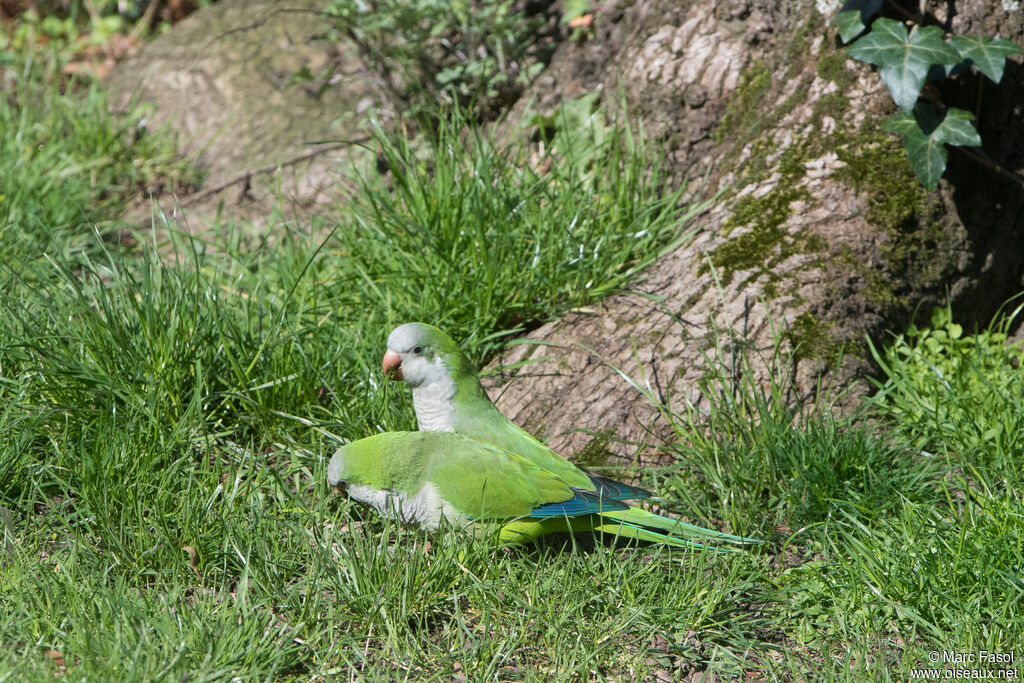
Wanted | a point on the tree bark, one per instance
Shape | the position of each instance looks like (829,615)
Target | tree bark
(821,237)
(253,90)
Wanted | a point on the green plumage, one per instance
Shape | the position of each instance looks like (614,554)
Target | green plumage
(470,464)
(424,477)
(476,479)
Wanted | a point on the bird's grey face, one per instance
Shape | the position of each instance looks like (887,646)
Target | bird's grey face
(413,358)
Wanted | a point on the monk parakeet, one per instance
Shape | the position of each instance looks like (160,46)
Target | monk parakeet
(421,478)
(448,397)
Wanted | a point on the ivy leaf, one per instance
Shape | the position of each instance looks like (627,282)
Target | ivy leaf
(926,132)
(904,59)
(986,53)
(853,17)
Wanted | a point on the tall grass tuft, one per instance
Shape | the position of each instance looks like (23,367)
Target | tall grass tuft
(481,238)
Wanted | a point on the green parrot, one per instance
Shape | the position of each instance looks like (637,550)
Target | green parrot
(448,397)
(422,478)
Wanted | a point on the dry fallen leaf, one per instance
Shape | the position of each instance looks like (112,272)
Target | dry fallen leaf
(582,21)
(57,657)
(193,557)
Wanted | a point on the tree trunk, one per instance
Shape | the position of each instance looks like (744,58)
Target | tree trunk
(822,237)
(249,87)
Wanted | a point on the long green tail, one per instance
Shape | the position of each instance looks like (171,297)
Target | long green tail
(641,518)
(633,524)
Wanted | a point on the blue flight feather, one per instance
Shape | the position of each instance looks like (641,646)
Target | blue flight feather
(609,488)
(583,503)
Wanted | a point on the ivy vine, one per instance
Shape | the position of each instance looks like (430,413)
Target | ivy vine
(907,59)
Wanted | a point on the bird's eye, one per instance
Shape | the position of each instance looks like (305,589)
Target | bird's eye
(417,350)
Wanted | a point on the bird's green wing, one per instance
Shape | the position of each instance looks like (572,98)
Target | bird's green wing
(476,417)
(475,480)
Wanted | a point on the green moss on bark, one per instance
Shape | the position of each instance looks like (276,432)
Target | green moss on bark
(596,453)
(766,244)
(811,340)
(876,165)
(758,239)
(833,67)
(743,115)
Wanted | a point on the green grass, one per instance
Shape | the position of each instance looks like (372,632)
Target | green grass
(69,166)
(483,241)
(167,420)
(887,553)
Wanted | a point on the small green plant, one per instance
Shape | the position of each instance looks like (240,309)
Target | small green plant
(62,33)
(427,51)
(77,27)
(578,15)
(952,392)
(907,60)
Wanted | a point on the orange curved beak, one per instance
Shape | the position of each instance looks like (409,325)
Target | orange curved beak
(392,365)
